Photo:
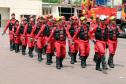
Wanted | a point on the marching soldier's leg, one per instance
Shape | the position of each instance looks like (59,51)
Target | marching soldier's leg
(98,62)
(96,53)
(31,52)
(58,55)
(83,61)
(17,43)
(49,59)
(104,65)
(11,45)
(73,52)
(39,46)
(63,54)
(76,51)
(23,50)
(16,48)
(102,46)
(82,50)
(49,54)
(112,49)
(72,58)
(58,63)
(40,55)
(110,61)
(100,54)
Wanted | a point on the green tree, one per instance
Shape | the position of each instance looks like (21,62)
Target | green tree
(51,1)
(77,2)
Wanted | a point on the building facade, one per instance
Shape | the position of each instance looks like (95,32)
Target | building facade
(22,8)
(65,8)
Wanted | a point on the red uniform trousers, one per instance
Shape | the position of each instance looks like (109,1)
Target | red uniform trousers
(40,42)
(50,46)
(11,36)
(74,47)
(95,48)
(24,40)
(101,46)
(30,41)
(17,39)
(84,48)
(60,49)
(112,46)
(44,40)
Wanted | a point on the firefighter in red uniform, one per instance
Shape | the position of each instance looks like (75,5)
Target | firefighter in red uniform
(114,31)
(73,48)
(94,24)
(49,23)
(100,40)
(21,31)
(84,46)
(10,25)
(28,38)
(16,36)
(50,49)
(39,42)
(63,20)
(59,33)
(46,29)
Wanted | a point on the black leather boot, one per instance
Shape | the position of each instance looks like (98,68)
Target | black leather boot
(44,50)
(104,65)
(83,62)
(98,64)
(72,58)
(49,59)
(95,57)
(40,55)
(69,53)
(11,46)
(110,61)
(75,56)
(16,48)
(58,63)
(30,52)
(61,61)
(23,50)
(86,59)
(51,55)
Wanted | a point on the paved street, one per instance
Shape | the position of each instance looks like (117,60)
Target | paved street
(18,69)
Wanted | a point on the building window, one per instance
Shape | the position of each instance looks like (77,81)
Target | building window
(67,12)
(0,20)
(46,11)
(28,16)
(79,13)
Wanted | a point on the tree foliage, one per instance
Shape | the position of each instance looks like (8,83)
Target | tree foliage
(58,1)
(51,1)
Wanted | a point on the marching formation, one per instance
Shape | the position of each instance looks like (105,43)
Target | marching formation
(48,34)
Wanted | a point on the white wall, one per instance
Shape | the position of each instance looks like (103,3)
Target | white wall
(21,7)
(4,15)
(26,7)
(55,11)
